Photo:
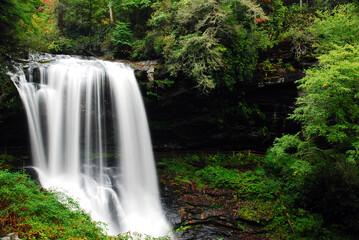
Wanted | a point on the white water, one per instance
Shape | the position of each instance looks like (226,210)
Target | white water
(77,108)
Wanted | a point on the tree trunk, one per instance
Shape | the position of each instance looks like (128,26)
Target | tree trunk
(110,11)
(90,18)
(111,15)
(60,16)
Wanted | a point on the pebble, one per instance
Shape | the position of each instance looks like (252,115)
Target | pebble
(10,236)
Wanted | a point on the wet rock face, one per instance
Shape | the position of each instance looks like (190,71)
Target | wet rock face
(206,233)
(171,206)
(249,117)
(189,120)
(186,119)
(205,213)
(14,131)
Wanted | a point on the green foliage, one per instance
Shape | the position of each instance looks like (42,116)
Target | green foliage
(301,41)
(289,24)
(219,177)
(161,38)
(7,162)
(337,27)
(36,213)
(240,58)
(329,108)
(122,35)
(134,12)
(8,92)
(255,185)
(276,23)
(198,50)
(259,212)
(19,29)
(309,225)
(177,166)
(286,162)
(97,27)
(192,48)
(249,184)
(217,170)
(319,165)
(79,27)
(268,192)
(16,20)
(214,43)
(121,39)
(273,199)
(156,88)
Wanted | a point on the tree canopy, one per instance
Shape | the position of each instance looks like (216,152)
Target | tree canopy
(326,148)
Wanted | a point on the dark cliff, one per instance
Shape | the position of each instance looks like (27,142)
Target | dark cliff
(250,117)
(185,119)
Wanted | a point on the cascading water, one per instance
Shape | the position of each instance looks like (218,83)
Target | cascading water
(67,100)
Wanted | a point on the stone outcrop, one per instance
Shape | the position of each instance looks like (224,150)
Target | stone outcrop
(247,118)
(206,213)
(11,236)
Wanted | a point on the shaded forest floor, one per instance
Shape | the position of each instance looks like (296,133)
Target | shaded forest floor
(207,211)
(210,213)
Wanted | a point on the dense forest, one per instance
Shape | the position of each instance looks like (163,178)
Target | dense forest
(304,183)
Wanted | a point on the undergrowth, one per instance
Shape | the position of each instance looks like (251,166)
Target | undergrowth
(270,194)
(37,213)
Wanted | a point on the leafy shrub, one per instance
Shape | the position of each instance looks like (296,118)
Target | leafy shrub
(337,27)
(306,224)
(6,161)
(8,94)
(215,159)
(318,167)
(219,177)
(256,185)
(258,211)
(176,165)
(218,170)
(211,42)
(329,108)
(122,39)
(332,191)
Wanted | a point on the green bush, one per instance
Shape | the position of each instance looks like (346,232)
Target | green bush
(318,167)
(176,165)
(214,43)
(219,177)
(337,27)
(332,191)
(7,161)
(329,108)
(122,40)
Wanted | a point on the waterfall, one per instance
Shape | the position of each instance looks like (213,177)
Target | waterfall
(90,138)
